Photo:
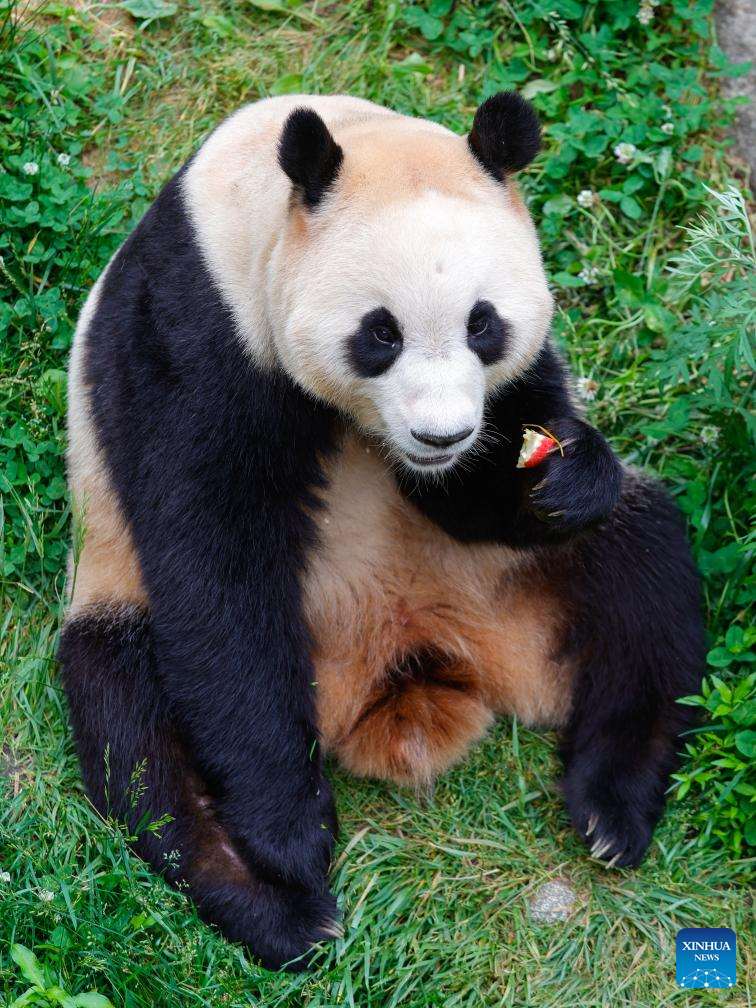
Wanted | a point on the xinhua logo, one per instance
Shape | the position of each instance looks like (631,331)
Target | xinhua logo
(706,957)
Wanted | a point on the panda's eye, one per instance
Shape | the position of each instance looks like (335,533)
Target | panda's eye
(477,327)
(385,335)
(487,332)
(376,344)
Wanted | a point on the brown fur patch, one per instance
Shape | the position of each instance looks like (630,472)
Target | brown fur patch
(515,198)
(421,717)
(107,568)
(398,158)
(215,856)
(385,584)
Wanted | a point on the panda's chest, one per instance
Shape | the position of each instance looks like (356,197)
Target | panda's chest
(387,592)
(382,569)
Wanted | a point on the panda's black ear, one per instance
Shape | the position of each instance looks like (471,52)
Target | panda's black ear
(309,155)
(505,136)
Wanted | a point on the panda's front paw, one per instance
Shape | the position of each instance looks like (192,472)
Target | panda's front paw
(577,486)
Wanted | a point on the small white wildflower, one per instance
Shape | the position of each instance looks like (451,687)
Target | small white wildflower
(587,198)
(587,388)
(31,168)
(710,434)
(625,152)
(46,895)
(54,94)
(172,858)
(645,14)
(552,55)
(5,876)
(589,274)
(64,160)
(668,127)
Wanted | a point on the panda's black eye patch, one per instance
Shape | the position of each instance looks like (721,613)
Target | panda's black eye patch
(487,332)
(376,344)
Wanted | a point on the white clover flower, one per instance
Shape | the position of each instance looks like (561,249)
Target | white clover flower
(646,14)
(587,197)
(625,152)
(46,895)
(5,876)
(668,127)
(589,274)
(64,160)
(710,434)
(587,388)
(31,168)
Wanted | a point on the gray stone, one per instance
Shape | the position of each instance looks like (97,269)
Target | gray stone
(552,902)
(736,34)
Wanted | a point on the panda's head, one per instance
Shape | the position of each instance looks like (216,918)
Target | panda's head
(408,282)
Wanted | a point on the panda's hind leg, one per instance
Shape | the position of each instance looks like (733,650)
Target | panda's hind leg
(137,770)
(637,643)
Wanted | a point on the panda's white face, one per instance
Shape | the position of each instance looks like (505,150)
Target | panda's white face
(407,315)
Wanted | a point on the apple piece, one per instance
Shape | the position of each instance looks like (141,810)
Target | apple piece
(535,448)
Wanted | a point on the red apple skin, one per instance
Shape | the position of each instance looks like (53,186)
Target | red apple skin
(544,446)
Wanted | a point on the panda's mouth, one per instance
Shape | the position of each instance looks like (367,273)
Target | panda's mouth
(429,460)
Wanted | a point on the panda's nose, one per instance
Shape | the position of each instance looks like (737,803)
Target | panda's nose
(441,440)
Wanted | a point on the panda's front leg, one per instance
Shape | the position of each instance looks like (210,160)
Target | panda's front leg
(218,490)
(233,661)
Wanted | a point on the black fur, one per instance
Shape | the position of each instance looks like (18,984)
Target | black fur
(188,424)
(487,332)
(376,344)
(309,155)
(637,640)
(505,136)
(618,559)
(110,676)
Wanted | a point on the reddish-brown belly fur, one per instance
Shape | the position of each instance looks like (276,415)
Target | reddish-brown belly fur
(420,640)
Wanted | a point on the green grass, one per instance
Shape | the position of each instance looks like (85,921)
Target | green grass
(435,889)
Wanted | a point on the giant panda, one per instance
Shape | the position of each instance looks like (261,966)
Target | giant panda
(297,397)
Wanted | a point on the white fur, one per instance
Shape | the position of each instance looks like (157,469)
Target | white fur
(299,282)
(237,198)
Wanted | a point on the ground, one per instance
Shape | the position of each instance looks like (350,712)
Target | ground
(443,892)
(736,29)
